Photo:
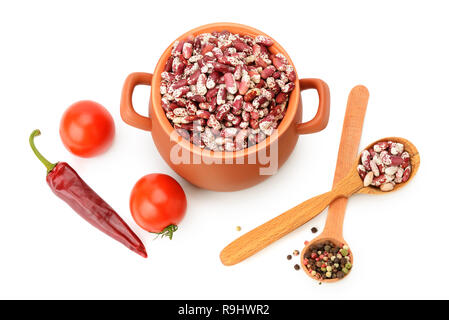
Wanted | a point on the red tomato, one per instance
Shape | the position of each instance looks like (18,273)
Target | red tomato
(158,203)
(87,129)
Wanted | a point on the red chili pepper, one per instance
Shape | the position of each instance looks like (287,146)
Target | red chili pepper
(68,185)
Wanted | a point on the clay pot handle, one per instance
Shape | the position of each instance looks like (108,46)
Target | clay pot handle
(319,122)
(127,112)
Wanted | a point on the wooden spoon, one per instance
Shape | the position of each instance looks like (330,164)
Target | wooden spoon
(276,228)
(333,230)
(347,152)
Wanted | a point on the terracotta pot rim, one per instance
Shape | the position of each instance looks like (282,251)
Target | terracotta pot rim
(158,113)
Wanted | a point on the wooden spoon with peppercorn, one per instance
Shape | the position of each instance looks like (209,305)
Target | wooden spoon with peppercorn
(276,228)
(324,260)
(332,235)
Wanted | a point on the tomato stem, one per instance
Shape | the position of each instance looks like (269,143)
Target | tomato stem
(168,231)
(46,163)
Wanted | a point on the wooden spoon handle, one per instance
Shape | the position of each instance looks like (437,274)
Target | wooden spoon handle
(347,154)
(352,131)
(276,228)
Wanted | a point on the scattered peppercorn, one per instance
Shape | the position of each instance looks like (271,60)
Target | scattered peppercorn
(328,260)
(296,266)
(289,257)
(314,230)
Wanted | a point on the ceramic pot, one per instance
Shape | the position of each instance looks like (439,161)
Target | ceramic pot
(224,171)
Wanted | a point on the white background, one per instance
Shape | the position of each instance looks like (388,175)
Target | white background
(54,53)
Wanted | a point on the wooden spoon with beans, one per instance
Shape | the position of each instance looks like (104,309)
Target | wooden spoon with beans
(276,228)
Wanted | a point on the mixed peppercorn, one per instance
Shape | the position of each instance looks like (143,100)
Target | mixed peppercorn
(328,261)
(224,91)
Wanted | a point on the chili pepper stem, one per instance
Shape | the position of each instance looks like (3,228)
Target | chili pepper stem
(168,231)
(46,163)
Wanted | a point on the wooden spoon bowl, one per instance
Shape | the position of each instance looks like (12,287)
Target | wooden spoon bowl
(318,240)
(414,160)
